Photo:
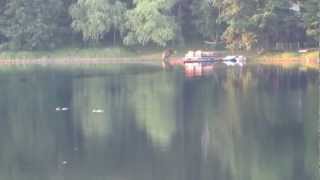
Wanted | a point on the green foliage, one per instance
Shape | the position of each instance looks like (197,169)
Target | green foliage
(311,17)
(206,19)
(155,107)
(149,21)
(31,24)
(239,33)
(277,23)
(261,23)
(244,25)
(2,8)
(74,53)
(96,18)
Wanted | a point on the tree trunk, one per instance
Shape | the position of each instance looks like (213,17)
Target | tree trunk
(114,37)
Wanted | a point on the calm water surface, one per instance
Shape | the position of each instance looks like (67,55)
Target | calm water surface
(143,123)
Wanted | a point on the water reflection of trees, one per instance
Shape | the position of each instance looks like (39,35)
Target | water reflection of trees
(237,124)
(261,127)
(250,132)
(31,131)
(153,100)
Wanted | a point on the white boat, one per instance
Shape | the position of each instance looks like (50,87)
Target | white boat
(234,60)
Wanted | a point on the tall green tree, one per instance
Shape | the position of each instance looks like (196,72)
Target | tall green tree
(263,23)
(31,24)
(276,22)
(150,21)
(240,33)
(245,24)
(205,19)
(94,19)
(2,8)
(311,17)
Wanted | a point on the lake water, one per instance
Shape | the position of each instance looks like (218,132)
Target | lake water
(144,123)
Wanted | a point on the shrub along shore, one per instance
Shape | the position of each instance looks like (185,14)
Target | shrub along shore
(289,59)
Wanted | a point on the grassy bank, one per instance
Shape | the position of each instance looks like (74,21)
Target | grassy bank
(70,52)
(100,52)
(289,59)
(115,54)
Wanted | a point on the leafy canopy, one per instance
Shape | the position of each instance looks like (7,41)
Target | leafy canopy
(95,18)
(31,24)
(150,21)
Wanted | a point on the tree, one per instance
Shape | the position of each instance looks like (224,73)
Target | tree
(150,21)
(205,19)
(245,24)
(262,23)
(2,7)
(240,33)
(311,17)
(278,23)
(94,19)
(31,24)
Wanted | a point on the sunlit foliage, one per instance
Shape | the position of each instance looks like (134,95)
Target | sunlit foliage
(239,25)
(32,24)
(96,18)
(150,21)
(155,108)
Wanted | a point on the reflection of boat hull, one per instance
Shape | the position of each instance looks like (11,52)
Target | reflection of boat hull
(193,69)
(203,65)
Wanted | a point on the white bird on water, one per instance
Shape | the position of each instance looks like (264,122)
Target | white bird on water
(62,108)
(98,111)
(65,109)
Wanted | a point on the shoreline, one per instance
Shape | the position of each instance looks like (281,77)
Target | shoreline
(77,61)
(291,59)
(153,57)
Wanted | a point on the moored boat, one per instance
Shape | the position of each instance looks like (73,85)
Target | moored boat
(199,63)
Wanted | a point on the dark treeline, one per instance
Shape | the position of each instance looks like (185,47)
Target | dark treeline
(235,24)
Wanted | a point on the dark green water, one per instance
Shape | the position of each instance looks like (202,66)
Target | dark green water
(254,123)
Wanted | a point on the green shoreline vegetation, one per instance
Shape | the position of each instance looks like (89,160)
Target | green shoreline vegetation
(246,25)
(309,60)
(291,59)
(109,52)
(141,29)
(153,54)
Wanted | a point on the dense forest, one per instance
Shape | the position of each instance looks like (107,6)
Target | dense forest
(235,24)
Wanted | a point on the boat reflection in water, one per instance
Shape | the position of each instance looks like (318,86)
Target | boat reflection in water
(201,68)
(201,63)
